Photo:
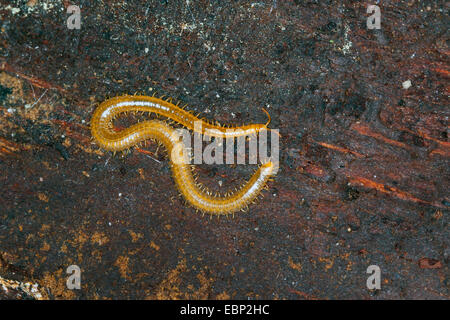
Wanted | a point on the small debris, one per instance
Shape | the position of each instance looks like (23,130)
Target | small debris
(407,84)
(427,263)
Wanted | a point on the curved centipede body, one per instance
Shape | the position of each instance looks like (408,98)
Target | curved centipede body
(110,108)
(107,138)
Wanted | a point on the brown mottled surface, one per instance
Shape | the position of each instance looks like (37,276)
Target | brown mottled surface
(364,174)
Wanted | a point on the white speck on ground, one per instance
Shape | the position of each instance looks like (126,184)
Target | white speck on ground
(347,43)
(407,84)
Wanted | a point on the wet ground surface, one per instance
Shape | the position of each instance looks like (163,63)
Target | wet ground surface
(364,170)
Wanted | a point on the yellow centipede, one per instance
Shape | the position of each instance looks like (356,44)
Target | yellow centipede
(109,139)
(110,108)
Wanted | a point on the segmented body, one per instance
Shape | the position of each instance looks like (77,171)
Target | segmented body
(110,108)
(112,140)
(109,139)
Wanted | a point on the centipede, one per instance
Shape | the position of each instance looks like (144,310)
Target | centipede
(195,194)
